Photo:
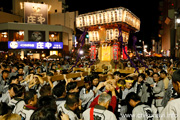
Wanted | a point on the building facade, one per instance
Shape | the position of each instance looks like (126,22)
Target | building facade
(170,30)
(59,27)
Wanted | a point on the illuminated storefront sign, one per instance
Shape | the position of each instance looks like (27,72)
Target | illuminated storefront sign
(35,13)
(34,45)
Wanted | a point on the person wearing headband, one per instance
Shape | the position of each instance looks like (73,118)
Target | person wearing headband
(128,88)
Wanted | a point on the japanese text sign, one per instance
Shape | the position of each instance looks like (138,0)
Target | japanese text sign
(35,13)
(34,45)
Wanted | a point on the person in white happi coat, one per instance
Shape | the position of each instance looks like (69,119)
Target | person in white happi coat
(70,106)
(140,110)
(128,88)
(172,109)
(100,112)
(87,94)
(158,91)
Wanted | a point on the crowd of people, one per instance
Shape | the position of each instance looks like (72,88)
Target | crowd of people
(149,94)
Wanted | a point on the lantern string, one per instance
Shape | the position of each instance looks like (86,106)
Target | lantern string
(120,39)
(134,45)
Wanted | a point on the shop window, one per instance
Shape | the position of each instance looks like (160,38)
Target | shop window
(4,36)
(16,35)
(55,36)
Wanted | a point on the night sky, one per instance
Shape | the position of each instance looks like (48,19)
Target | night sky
(146,10)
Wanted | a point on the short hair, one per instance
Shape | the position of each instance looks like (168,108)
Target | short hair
(20,75)
(176,76)
(117,73)
(5,71)
(104,97)
(88,79)
(151,70)
(156,74)
(18,90)
(29,95)
(11,86)
(11,116)
(12,78)
(133,96)
(163,72)
(44,113)
(4,108)
(20,68)
(147,72)
(58,90)
(71,86)
(71,99)
(94,76)
(142,75)
(45,90)
(47,101)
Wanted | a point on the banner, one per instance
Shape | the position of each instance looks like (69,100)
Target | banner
(34,45)
(106,53)
(115,52)
(124,55)
(35,13)
(93,53)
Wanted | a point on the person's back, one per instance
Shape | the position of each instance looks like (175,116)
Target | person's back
(100,112)
(142,112)
(30,99)
(60,93)
(171,111)
(44,113)
(18,107)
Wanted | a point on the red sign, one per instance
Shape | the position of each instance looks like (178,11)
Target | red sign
(124,55)
(93,52)
(115,52)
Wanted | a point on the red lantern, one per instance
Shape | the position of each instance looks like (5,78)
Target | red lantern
(115,52)
(124,55)
(93,53)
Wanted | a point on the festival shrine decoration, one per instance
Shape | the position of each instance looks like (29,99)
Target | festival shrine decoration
(115,52)
(124,49)
(93,53)
(103,28)
(124,53)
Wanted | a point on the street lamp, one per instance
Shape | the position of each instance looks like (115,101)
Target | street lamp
(178,20)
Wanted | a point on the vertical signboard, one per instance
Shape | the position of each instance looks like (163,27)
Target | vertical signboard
(35,13)
(93,53)
(115,52)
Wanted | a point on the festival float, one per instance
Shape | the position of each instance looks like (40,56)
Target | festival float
(103,29)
